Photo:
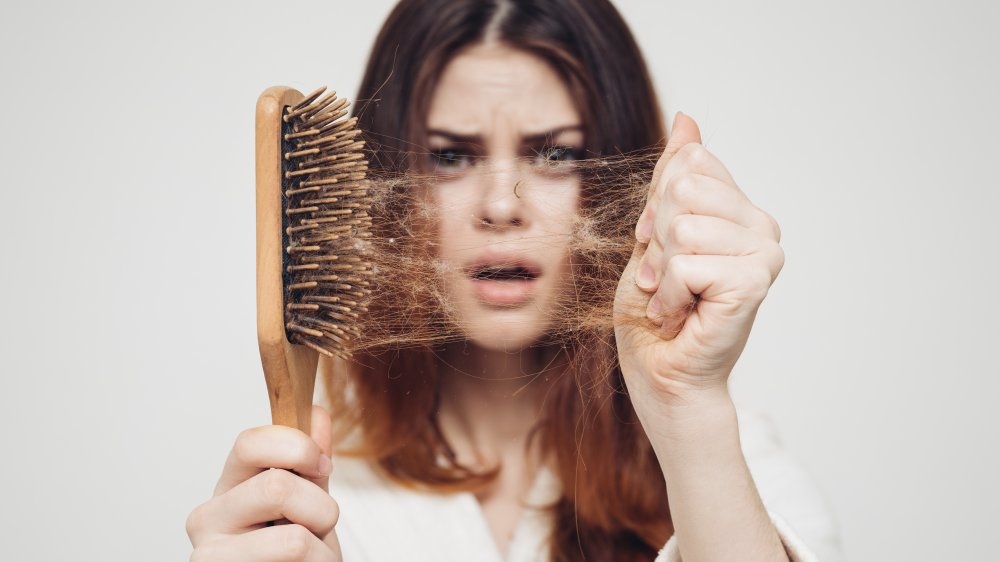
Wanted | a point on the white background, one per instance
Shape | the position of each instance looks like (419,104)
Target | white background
(868,129)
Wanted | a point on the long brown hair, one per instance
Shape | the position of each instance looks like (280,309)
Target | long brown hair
(614,502)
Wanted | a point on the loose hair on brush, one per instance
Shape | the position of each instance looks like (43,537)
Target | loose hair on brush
(614,503)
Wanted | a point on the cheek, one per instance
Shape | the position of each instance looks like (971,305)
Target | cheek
(558,204)
(451,214)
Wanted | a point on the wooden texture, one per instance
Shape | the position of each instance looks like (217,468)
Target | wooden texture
(289,369)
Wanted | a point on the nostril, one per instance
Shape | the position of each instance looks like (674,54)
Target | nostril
(489,222)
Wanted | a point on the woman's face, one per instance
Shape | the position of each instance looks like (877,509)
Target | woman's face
(503,132)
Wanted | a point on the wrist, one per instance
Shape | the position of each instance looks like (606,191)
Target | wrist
(671,389)
(694,417)
(700,428)
(677,403)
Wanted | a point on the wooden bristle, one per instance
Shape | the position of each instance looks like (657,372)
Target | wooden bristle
(326,224)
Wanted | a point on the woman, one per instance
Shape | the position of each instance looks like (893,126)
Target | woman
(506,445)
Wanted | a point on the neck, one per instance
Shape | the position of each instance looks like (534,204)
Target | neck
(491,399)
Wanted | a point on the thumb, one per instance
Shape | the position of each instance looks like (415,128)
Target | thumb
(630,301)
(684,131)
(322,433)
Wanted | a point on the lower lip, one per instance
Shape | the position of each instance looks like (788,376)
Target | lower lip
(506,293)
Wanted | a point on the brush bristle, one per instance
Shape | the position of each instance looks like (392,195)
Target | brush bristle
(326,224)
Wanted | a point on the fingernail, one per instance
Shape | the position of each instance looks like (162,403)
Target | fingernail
(647,277)
(655,309)
(324,465)
(645,230)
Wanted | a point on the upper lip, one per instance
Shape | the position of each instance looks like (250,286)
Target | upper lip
(500,261)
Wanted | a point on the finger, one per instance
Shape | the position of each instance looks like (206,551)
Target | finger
(691,159)
(705,235)
(266,497)
(711,236)
(684,131)
(280,543)
(689,194)
(322,434)
(734,283)
(694,158)
(272,446)
(647,273)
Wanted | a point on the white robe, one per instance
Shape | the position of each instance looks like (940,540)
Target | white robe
(381,521)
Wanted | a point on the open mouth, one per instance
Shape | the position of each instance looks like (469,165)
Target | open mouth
(504,280)
(501,273)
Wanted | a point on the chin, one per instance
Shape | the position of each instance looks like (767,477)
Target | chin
(508,331)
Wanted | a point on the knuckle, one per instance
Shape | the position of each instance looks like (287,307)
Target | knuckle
(195,521)
(677,266)
(683,230)
(296,542)
(695,154)
(277,486)
(244,446)
(683,189)
(760,283)
(332,514)
(305,450)
(779,255)
(775,228)
(209,553)
(779,261)
(200,555)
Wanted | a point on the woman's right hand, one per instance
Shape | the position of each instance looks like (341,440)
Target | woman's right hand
(257,486)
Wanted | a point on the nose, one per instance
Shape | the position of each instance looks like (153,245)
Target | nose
(501,199)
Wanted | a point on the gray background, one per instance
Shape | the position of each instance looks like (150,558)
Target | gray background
(868,129)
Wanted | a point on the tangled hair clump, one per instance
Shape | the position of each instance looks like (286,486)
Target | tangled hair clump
(409,306)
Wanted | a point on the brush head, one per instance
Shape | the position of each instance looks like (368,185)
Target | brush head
(312,242)
(325,224)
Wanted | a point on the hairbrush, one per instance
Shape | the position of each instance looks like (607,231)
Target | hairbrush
(312,226)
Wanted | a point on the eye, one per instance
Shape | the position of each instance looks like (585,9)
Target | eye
(552,155)
(450,159)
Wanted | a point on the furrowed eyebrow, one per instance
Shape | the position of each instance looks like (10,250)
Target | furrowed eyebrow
(533,138)
(538,138)
(455,137)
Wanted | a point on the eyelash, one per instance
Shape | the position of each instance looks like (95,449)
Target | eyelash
(454,158)
(568,151)
(441,156)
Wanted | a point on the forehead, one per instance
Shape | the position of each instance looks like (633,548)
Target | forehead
(489,86)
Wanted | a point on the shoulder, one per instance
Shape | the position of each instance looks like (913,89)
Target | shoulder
(787,489)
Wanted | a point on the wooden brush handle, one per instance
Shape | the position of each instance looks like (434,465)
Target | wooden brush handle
(289,369)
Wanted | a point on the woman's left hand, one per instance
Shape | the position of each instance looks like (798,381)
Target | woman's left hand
(704,261)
